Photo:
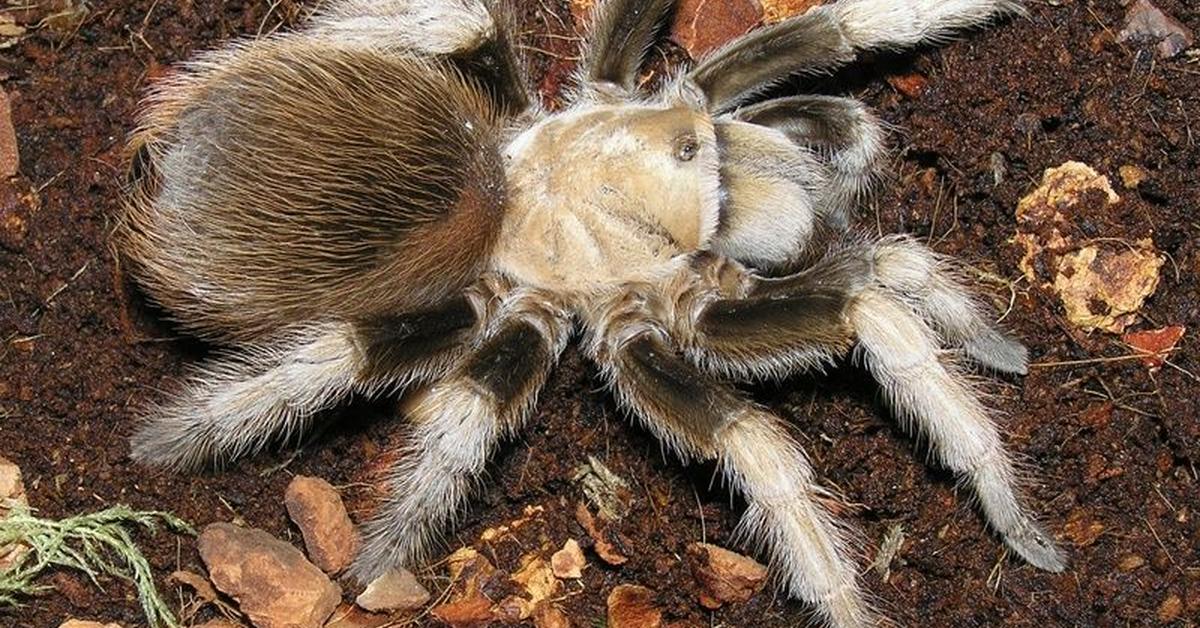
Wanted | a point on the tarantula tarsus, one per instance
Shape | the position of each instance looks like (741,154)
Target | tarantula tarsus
(377,200)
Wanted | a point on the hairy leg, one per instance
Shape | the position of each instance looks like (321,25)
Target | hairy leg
(700,417)
(832,35)
(897,299)
(842,132)
(478,35)
(238,404)
(620,34)
(458,423)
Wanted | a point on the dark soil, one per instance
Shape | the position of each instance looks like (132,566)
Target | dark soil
(1114,447)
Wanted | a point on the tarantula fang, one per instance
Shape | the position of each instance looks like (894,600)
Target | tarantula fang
(377,200)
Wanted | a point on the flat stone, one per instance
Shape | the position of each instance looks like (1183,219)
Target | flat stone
(274,584)
(568,562)
(396,590)
(724,576)
(317,509)
(632,606)
(1146,22)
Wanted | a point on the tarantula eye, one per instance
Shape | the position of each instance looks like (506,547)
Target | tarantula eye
(686,147)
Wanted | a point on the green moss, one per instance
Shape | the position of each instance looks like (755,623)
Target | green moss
(94,543)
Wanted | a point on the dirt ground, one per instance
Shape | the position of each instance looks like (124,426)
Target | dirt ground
(1113,446)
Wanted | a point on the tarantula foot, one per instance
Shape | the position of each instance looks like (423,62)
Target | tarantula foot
(1034,545)
(993,350)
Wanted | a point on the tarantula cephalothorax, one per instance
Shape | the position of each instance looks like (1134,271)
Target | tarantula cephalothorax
(376,200)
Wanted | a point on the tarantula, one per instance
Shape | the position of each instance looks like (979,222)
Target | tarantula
(377,200)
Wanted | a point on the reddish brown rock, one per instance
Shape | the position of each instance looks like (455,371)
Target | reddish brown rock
(351,616)
(317,509)
(1157,344)
(1082,528)
(275,586)
(77,623)
(724,577)
(396,590)
(632,606)
(701,26)
(568,562)
(468,611)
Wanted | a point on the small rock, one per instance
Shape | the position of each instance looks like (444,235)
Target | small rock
(1101,283)
(724,576)
(1131,562)
(1132,176)
(317,509)
(568,562)
(780,10)
(537,579)
(465,611)
(351,616)
(1104,288)
(550,616)
(12,493)
(396,590)
(468,565)
(911,85)
(1170,609)
(10,160)
(701,26)
(275,586)
(632,606)
(1082,528)
(1157,344)
(18,203)
(1147,23)
(78,623)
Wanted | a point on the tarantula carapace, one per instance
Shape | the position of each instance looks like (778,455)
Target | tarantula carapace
(376,200)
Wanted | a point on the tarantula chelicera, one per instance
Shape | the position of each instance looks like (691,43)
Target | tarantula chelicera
(377,200)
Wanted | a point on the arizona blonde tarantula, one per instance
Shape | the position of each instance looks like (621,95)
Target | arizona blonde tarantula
(377,200)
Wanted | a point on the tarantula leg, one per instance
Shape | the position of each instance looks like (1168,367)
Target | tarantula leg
(796,323)
(621,32)
(238,404)
(458,422)
(844,134)
(901,351)
(828,36)
(431,27)
(930,284)
(883,293)
(924,280)
(476,34)
(699,417)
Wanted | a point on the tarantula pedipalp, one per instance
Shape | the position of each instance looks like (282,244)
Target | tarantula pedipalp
(375,201)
